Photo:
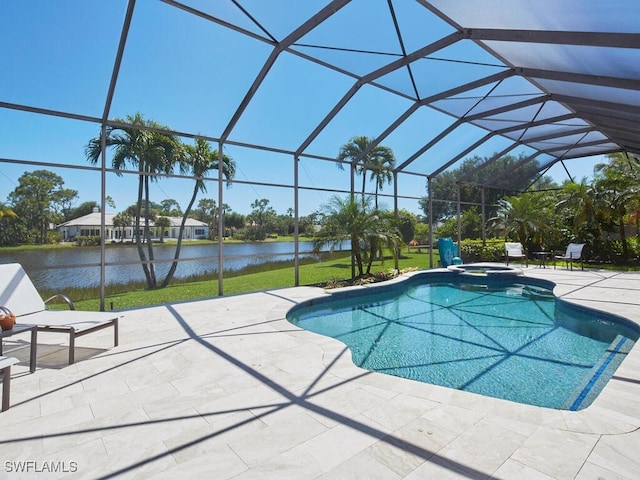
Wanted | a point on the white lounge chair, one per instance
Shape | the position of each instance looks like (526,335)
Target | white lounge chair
(515,250)
(574,252)
(18,294)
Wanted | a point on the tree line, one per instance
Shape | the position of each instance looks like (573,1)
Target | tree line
(40,202)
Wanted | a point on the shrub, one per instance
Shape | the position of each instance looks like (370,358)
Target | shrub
(88,241)
(474,251)
(53,237)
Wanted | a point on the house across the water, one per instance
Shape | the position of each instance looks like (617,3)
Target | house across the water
(89,225)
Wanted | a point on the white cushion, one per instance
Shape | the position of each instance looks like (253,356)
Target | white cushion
(7,362)
(78,320)
(513,248)
(17,292)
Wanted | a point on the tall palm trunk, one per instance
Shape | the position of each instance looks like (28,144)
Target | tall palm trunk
(522,234)
(174,264)
(373,249)
(376,197)
(357,254)
(141,254)
(147,234)
(364,180)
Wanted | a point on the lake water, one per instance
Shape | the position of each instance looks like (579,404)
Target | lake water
(50,268)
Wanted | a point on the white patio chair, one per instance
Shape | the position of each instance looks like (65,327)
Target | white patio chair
(514,250)
(574,252)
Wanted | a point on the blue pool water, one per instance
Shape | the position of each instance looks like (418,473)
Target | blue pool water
(511,340)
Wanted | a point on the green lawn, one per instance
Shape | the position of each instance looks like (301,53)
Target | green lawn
(339,267)
(260,278)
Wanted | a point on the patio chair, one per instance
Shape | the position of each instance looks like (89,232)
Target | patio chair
(514,250)
(19,295)
(574,252)
(5,372)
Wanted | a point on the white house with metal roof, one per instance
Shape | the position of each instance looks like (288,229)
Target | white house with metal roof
(89,225)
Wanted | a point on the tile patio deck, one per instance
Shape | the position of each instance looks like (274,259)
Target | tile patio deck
(227,388)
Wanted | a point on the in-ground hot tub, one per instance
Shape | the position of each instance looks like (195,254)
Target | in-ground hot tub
(485,270)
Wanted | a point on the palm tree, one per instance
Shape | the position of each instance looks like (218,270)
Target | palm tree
(143,147)
(366,231)
(379,161)
(200,159)
(381,168)
(162,223)
(618,188)
(525,217)
(580,199)
(122,220)
(6,211)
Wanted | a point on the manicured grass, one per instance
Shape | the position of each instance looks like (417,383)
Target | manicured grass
(338,267)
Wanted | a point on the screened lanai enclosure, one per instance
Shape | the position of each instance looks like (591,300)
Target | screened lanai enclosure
(280,85)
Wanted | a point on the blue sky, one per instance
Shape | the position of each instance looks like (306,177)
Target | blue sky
(189,74)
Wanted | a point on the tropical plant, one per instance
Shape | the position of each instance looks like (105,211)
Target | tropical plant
(524,218)
(6,211)
(578,217)
(162,223)
(143,145)
(379,161)
(200,159)
(122,220)
(617,186)
(367,232)
(8,233)
(579,200)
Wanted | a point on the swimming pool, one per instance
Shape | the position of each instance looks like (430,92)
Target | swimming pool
(511,339)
